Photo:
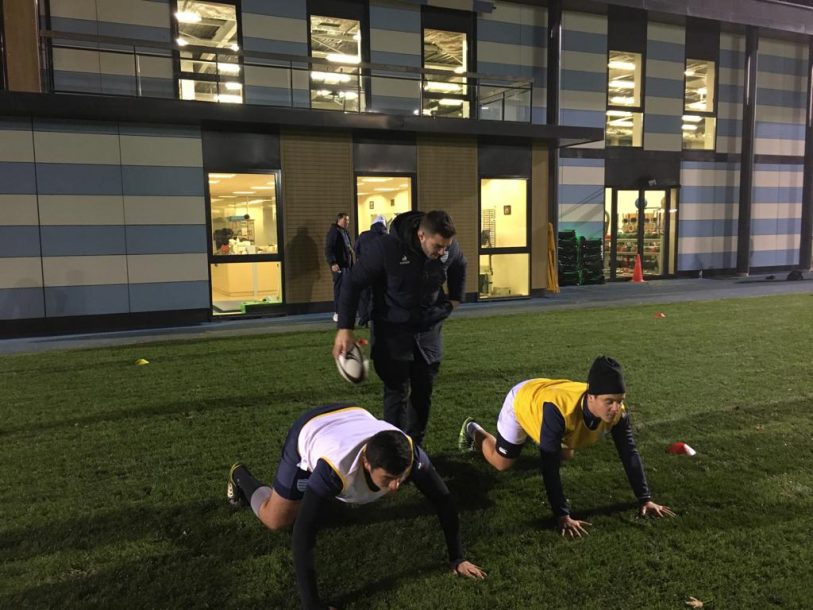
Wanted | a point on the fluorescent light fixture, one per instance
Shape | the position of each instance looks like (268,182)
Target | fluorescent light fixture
(323,92)
(188,17)
(348,95)
(385,189)
(688,72)
(235,47)
(620,123)
(244,192)
(416,112)
(223,176)
(692,118)
(689,127)
(330,78)
(229,98)
(702,90)
(263,188)
(375,179)
(255,201)
(621,65)
(232,86)
(357,36)
(214,181)
(341,58)
(228,68)
(622,100)
(622,84)
(447,101)
(460,70)
(442,87)
(181,42)
(618,113)
(698,105)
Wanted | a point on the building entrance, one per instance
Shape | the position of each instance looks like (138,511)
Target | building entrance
(640,221)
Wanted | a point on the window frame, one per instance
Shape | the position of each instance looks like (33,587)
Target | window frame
(413,193)
(179,74)
(639,109)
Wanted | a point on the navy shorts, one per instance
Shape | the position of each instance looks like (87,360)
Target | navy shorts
(507,449)
(290,480)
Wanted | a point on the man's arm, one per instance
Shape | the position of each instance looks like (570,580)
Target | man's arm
(550,449)
(630,458)
(456,278)
(323,484)
(429,483)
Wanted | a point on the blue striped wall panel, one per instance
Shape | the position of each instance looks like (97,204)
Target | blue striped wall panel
(583,94)
(166,296)
(19,241)
(17,178)
(86,300)
(395,39)
(169,181)
(512,41)
(581,196)
(82,240)
(166,239)
(781,98)
(21,303)
(775,258)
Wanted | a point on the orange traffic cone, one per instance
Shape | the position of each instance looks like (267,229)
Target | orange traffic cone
(638,272)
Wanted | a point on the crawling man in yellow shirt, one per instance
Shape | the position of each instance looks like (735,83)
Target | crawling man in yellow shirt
(559,416)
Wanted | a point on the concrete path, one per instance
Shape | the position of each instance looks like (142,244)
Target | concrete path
(604,295)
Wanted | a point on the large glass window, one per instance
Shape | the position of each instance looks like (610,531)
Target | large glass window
(504,256)
(336,86)
(385,196)
(246,263)
(445,89)
(212,73)
(699,120)
(624,121)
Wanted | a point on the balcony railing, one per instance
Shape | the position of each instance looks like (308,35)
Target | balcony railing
(104,65)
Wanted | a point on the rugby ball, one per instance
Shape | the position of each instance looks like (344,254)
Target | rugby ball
(352,365)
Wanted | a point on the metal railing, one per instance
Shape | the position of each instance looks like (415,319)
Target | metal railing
(81,63)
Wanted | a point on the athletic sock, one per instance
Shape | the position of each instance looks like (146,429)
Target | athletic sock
(258,498)
(472,427)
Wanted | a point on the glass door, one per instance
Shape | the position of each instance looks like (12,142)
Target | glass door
(639,221)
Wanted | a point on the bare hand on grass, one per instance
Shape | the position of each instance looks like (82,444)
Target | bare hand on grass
(469,570)
(650,509)
(572,527)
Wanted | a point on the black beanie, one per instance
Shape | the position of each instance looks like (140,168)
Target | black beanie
(605,377)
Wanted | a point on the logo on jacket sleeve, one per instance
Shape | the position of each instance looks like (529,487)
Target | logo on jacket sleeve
(404,260)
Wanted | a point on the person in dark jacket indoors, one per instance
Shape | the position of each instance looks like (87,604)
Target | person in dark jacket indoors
(376,230)
(406,269)
(341,451)
(339,255)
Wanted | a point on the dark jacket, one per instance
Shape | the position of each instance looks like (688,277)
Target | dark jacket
(409,303)
(376,230)
(336,248)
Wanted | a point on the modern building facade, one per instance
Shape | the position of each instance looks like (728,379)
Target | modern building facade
(173,161)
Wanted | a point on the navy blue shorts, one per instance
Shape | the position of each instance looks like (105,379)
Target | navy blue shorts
(507,449)
(290,480)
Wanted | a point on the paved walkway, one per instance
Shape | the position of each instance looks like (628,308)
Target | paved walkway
(604,295)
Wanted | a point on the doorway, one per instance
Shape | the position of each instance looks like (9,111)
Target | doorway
(640,222)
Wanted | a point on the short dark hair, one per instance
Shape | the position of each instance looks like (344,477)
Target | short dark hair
(341,215)
(438,222)
(390,450)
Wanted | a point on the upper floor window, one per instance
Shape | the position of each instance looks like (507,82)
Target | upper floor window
(624,121)
(699,119)
(212,74)
(336,86)
(447,52)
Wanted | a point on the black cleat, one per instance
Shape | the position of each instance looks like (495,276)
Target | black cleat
(233,493)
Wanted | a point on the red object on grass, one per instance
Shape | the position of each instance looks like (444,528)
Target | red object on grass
(660,314)
(680,448)
(362,342)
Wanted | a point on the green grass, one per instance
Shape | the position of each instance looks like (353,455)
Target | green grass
(113,475)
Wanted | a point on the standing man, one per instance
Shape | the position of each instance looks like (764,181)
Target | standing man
(407,270)
(560,416)
(339,255)
(341,451)
(376,230)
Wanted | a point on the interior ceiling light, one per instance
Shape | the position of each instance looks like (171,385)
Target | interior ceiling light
(214,181)
(232,86)
(698,105)
(622,100)
(228,68)
(688,72)
(617,64)
(263,188)
(447,101)
(460,70)
(375,179)
(244,192)
(182,42)
(235,47)
(188,17)
(689,127)
(692,118)
(702,90)
(348,95)
(622,84)
(619,113)
(441,86)
(222,176)
(620,123)
(330,78)
(342,58)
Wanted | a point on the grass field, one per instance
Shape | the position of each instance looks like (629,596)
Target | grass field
(113,475)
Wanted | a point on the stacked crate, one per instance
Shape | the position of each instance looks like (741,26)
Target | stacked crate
(568,258)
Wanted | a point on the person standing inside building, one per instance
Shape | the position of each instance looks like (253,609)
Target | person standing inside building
(376,230)
(406,269)
(339,255)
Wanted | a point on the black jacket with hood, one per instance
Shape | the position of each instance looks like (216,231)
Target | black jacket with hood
(409,303)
